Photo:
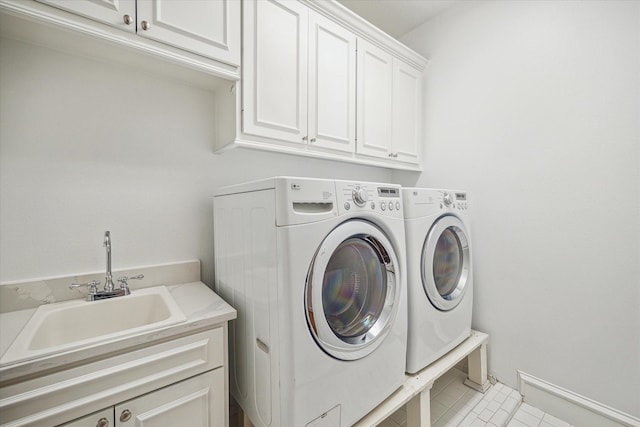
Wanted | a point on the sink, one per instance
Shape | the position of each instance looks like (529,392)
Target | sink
(70,325)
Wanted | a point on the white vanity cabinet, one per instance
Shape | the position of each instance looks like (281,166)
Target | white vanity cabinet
(208,28)
(182,381)
(104,418)
(195,402)
(389,105)
(298,76)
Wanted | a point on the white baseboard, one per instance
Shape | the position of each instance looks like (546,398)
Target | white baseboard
(569,406)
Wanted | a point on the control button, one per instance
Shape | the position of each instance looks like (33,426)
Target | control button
(397,205)
(347,206)
(390,206)
(383,206)
(373,205)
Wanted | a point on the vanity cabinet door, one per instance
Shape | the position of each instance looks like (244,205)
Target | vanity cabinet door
(119,13)
(198,401)
(102,418)
(209,28)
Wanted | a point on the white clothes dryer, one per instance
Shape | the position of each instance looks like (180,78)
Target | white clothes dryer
(439,273)
(316,270)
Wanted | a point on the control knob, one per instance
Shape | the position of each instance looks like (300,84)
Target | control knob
(447,199)
(360,197)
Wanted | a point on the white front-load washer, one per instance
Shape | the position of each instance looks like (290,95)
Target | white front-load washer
(439,273)
(316,270)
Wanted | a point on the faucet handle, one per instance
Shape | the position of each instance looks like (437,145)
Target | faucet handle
(92,285)
(123,280)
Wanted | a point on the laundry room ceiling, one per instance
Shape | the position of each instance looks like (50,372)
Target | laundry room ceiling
(398,17)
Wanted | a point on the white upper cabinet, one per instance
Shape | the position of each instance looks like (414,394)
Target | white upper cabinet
(119,13)
(375,100)
(299,74)
(274,72)
(407,112)
(332,85)
(209,28)
(319,81)
(389,106)
(203,27)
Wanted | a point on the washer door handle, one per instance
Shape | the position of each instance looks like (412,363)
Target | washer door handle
(262,345)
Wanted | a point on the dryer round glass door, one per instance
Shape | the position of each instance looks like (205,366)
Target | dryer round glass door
(351,290)
(446,263)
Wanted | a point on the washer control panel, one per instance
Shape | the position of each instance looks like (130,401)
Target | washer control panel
(369,197)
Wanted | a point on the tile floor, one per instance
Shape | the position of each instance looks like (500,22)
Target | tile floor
(454,404)
(528,416)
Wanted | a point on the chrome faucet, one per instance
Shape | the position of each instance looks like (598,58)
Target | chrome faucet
(109,289)
(108,284)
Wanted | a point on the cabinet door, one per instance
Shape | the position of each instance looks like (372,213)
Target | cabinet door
(332,85)
(407,112)
(198,401)
(209,28)
(274,69)
(102,418)
(375,84)
(112,12)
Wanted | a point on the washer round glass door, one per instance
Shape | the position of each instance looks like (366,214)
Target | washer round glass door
(351,292)
(446,263)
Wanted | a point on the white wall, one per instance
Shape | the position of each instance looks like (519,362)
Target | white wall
(88,146)
(534,107)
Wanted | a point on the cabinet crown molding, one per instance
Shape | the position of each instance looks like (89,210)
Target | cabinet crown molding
(361,27)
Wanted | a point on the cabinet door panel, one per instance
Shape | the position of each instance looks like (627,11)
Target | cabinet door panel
(407,120)
(102,418)
(332,85)
(110,12)
(209,28)
(274,91)
(375,72)
(198,401)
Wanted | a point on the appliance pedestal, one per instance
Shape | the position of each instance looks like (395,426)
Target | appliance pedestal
(416,390)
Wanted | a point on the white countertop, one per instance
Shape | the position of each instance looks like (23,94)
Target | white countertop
(202,307)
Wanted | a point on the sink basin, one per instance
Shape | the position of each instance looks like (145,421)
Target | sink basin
(70,325)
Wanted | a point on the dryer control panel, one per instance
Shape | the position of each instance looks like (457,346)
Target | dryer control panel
(428,201)
(385,199)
